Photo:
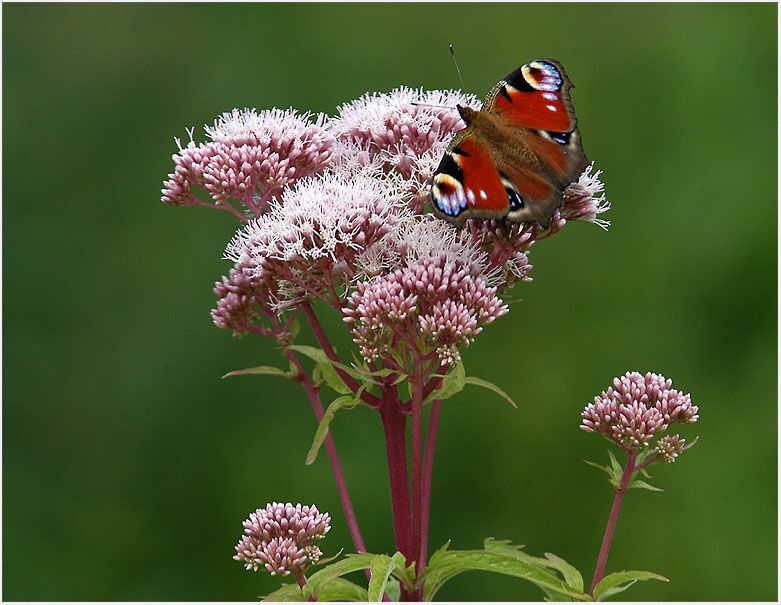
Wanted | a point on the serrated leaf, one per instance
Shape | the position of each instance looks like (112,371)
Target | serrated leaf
(640,484)
(621,580)
(382,568)
(339,589)
(344,402)
(452,383)
(479,382)
(287,593)
(571,575)
(265,370)
(320,579)
(445,565)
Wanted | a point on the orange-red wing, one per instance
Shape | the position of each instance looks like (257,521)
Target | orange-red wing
(467,183)
(535,96)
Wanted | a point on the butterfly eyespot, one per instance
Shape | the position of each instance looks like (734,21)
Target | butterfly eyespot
(446,185)
(447,195)
(542,76)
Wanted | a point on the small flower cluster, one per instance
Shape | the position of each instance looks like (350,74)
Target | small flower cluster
(439,294)
(238,305)
(280,538)
(638,407)
(312,237)
(403,133)
(251,157)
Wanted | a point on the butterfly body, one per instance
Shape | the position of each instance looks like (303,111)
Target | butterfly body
(516,155)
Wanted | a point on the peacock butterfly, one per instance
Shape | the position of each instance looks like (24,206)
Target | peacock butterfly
(516,155)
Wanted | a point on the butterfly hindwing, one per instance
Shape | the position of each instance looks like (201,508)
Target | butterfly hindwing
(467,183)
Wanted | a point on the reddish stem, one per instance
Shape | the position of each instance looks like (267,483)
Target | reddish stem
(417,458)
(394,421)
(333,456)
(325,344)
(612,520)
(428,468)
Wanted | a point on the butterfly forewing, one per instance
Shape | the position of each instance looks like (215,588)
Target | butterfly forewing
(526,139)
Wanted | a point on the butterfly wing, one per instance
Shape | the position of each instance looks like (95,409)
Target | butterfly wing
(467,183)
(534,100)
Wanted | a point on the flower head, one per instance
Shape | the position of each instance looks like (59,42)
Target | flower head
(311,238)
(404,132)
(280,537)
(636,408)
(440,293)
(670,446)
(252,157)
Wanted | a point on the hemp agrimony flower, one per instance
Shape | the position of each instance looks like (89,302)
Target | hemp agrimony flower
(636,408)
(280,538)
(252,157)
(631,413)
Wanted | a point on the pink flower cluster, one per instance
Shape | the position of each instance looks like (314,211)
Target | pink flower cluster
(403,134)
(440,295)
(670,446)
(636,408)
(251,157)
(238,305)
(280,538)
(310,240)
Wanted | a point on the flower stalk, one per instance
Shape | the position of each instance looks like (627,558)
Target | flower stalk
(612,520)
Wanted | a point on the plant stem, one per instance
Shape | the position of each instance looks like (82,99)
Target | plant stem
(428,468)
(325,344)
(612,520)
(417,459)
(333,456)
(394,421)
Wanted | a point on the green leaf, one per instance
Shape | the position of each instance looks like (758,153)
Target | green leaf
(393,590)
(640,484)
(382,568)
(621,580)
(327,367)
(444,565)
(452,383)
(618,470)
(339,589)
(350,563)
(491,387)
(287,593)
(266,370)
(344,402)
(571,575)
(600,467)
(295,327)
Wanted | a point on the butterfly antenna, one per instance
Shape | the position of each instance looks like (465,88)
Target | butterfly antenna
(458,69)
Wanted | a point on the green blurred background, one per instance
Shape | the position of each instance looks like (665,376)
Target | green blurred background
(129,465)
